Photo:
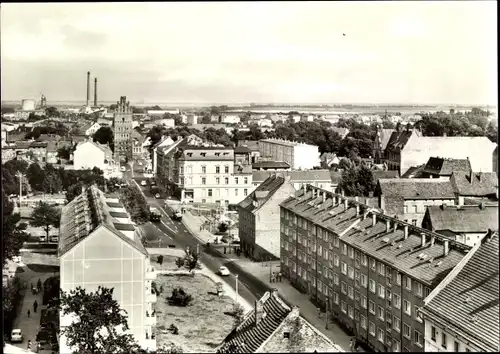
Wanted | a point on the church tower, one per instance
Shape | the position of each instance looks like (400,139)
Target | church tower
(123,130)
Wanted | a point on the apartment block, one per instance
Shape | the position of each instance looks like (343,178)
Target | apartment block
(369,270)
(99,246)
(299,156)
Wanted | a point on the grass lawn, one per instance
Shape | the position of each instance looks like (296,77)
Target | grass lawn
(168,262)
(30,258)
(203,324)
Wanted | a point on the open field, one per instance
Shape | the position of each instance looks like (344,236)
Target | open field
(203,324)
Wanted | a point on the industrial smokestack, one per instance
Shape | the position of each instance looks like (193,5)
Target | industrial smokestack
(88,87)
(95,92)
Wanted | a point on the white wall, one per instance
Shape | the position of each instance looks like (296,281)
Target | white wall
(88,155)
(306,157)
(432,345)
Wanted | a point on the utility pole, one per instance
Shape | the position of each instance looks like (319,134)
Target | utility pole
(270,270)
(21,176)
(327,308)
(236,304)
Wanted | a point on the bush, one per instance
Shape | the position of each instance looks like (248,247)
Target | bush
(180,297)
(173,329)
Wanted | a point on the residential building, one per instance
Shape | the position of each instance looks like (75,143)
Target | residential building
(230,119)
(137,144)
(99,246)
(165,163)
(192,119)
(253,145)
(162,112)
(270,166)
(343,132)
(91,129)
(297,155)
(466,224)
(470,185)
(259,222)
(122,124)
(265,122)
(164,141)
(328,159)
(377,175)
(270,328)
(462,314)
(373,270)
(89,154)
(407,199)
(442,168)
(318,178)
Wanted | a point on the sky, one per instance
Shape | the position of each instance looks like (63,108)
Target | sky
(433,52)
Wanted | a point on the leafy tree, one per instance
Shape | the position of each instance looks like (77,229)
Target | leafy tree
(206,119)
(64,152)
(13,233)
(36,176)
(51,183)
(99,322)
(104,135)
(52,112)
(46,216)
(357,181)
(74,191)
(239,314)
(135,204)
(180,297)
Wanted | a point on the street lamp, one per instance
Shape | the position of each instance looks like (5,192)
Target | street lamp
(236,289)
(21,176)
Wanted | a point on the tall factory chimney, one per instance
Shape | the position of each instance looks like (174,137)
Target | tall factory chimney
(88,87)
(95,92)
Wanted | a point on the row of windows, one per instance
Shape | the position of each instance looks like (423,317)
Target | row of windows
(189,180)
(189,169)
(444,341)
(210,192)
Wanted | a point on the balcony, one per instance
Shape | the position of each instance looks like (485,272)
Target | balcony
(150,318)
(150,296)
(150,273)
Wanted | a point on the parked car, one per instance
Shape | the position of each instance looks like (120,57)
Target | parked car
(143,183)
(177,215)
(157,196)
(16,336)
(16,259)
(223,271)
(43,238)
(123,169)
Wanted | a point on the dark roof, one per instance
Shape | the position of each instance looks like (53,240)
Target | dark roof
(114,205)
(117,214)
(399,140)
(469,304)
(475,184)
(389,247)
(445,167)
(242,150)
(463,219)
(270,164)
(416,188)
(23,144)
(123,227)
(39,144)
(295,176)
(262,193)
(385,136)
(248,337)
(251,144)
(384,174)
(413,171)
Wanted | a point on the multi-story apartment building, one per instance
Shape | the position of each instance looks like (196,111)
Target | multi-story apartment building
(89,154)
(164,142)
(462,313)
(299,156)
(408,198)
(259,222)
(98,246)
(318,178)
(372,270)
(165,163)
(123,126)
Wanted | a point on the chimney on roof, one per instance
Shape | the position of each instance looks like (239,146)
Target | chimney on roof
(433,240)
(346,204)
(295,312)
(357,209)
(471,176)
(422,236)
(324,196)
(446,247)
(374,219)
(387,225)
(259,310)
(395,226)
(406,232)
(482,206)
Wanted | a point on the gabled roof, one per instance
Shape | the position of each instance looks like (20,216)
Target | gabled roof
(295,176)
(465,219)
(416,188)
(242,150)
(475,184)
(385,136)
(413,171)
(469,303)
(270,164)
(445,167)
(251,144)
(398,140)
(104,148)
(262,193)
(384,174)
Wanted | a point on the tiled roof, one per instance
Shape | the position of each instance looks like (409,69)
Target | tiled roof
(262,193)
(52,146)
(385,136)
(385,175)
(389,247)
(251,144)
(23,144)
(200,153)
(248,337)
(463,219)
(398,140)
(474,184)
(413,171)
(270,164)
(469,304)
(416,188)
(295,176)
(445,167)
(242,150)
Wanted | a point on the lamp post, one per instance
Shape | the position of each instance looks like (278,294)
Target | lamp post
(21,176)
(236,302)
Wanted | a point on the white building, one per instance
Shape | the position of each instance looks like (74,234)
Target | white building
(92,129)
(162,112)
(265,122)
(192,119)
(89,154)
(297,155)
(164,141)
(230,119)
(107,251)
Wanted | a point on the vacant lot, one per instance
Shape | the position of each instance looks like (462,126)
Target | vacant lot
(168,262)
(203,324)
(38,260)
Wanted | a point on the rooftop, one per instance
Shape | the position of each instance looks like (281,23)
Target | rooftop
(469,303)
(445,167)
(270,164)
(283,142)
(262,193)
(474,184)
(384,135)
(416,188)
(384,175)
(295,176)
(242,150)
(473,218)
(251,144)
(197,153)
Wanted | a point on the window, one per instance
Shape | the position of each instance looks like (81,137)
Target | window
(371,328)
(380,313)
(336,260)
(350,311)
(363,301)
(203,169)
(372,286)
(343,307)
(406,330)
(336,242)
(245,180)
(236,180)
(351,273)
(381,268)
(397,301)
(344,249)
(286,335)
(373,264)
(407,307)
(371,307)
(364,280)
(217,169)
(419,289)
(343,288)
(344,268)
(381,291)
(419,340)
(414,222)
(217,180)
(226,169)
(444,340)
(364,260)
(351,252)
(407,283)
(336,298)
(363,322)
(226,180)
(380,335)
(210,192)
(336,279)
(433,333)
(396,346)
(245,192)
(203,180)
(418,315)
(398,278)
(396,323)
(456,346)
(236,192)
(350,292)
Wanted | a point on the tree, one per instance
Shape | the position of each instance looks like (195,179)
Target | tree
(46,216)
(99,322)
(135,204)
(52,112)
(180,297)
(74,191)
(239,314)
(64,152)
(104,135)
(52,183)
(13,233)
(36,176)
(357,181)
(206,119)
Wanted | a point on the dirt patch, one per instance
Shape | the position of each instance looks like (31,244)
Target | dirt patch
(203,324)
(168,262)
(39,258)
(43,268)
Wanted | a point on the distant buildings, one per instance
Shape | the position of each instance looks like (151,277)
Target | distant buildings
(470,186)
(122,124)
(273,326)
(98,246)
(329,159)
(297,155)
(317,178)
(443,168)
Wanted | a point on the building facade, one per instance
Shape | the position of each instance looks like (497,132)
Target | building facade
(370,271)
(89,154)
(317,178)
(98,246)
(297,155)
(123,126)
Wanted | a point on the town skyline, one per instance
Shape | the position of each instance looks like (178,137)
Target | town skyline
(420,52)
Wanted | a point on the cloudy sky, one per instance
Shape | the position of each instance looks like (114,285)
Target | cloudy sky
(394,52)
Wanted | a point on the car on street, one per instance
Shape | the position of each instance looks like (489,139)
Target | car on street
(155,214)
(223,271)
(157,196)
(123,169)
(16,336)
(43,238)
(16,259)
(140,163)
(143,183)
(177,215)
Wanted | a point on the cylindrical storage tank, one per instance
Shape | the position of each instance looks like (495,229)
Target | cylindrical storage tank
(28,105)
